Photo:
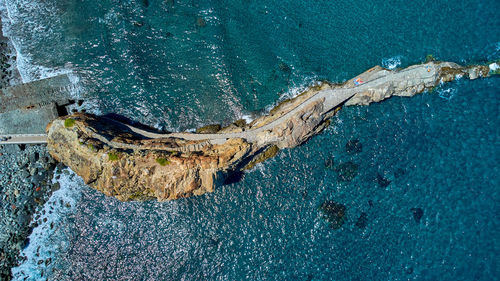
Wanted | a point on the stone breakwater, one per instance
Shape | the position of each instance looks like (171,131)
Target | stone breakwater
(130,163)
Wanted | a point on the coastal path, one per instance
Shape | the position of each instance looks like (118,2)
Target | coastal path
(332,98)
(23,139)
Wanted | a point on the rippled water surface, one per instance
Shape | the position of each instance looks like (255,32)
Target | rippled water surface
(423,201)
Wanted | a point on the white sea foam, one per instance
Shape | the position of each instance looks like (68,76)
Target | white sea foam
(248,118)
(295,91)
(391,63)
(12,16)
(447,94)
(494,66)
(47,239)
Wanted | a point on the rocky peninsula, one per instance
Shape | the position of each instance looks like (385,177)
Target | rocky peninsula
(130,163)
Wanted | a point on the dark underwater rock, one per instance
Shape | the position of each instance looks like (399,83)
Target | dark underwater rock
(353,146)
(200,22)
(417,214)
(333,213)
(370,203)
(382,181)
(139,23)
(304,194)
(329,163)
(347,171)
(362,221)
(399,173)
(284,67)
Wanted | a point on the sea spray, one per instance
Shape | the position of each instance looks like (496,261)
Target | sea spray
(294,91)
(392,62)
(16,23)
(47,239)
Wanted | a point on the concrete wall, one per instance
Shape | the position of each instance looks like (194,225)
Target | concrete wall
(36,94)
(27,121)
(29,107)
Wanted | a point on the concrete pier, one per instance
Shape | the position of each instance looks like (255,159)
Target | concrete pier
(26,109)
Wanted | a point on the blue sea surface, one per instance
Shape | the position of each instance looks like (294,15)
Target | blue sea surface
(424,203)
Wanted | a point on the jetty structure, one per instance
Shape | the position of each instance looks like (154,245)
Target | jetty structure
(26,109)
(132,163)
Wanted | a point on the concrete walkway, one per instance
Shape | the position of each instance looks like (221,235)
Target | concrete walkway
(24,139)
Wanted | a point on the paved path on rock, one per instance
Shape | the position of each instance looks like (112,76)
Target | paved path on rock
(333,98)
(24,139)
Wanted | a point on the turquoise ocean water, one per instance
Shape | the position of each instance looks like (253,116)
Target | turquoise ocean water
(424,202)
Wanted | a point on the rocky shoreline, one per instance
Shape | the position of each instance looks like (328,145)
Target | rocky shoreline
(9,75)
(26,173)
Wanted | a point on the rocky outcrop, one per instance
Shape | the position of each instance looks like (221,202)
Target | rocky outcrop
(423,77)
(133,164)
(142,168)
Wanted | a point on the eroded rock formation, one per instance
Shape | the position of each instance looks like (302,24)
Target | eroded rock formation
(133,164)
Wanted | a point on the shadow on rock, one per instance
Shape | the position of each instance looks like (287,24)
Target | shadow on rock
(234,177)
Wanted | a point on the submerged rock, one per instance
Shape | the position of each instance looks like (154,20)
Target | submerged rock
(353,146)
(200,22)
(382,181)
(333,213)
(362,221)
(417,214)
(284,67)
(347,171)
(399,172)
(329,163)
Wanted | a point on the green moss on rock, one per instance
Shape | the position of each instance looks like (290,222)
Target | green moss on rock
(270,152)
(91,147)
(162,161)
(240,123)
(209,129)
(69,122)
(112,156)
(136,196)
(429,58)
